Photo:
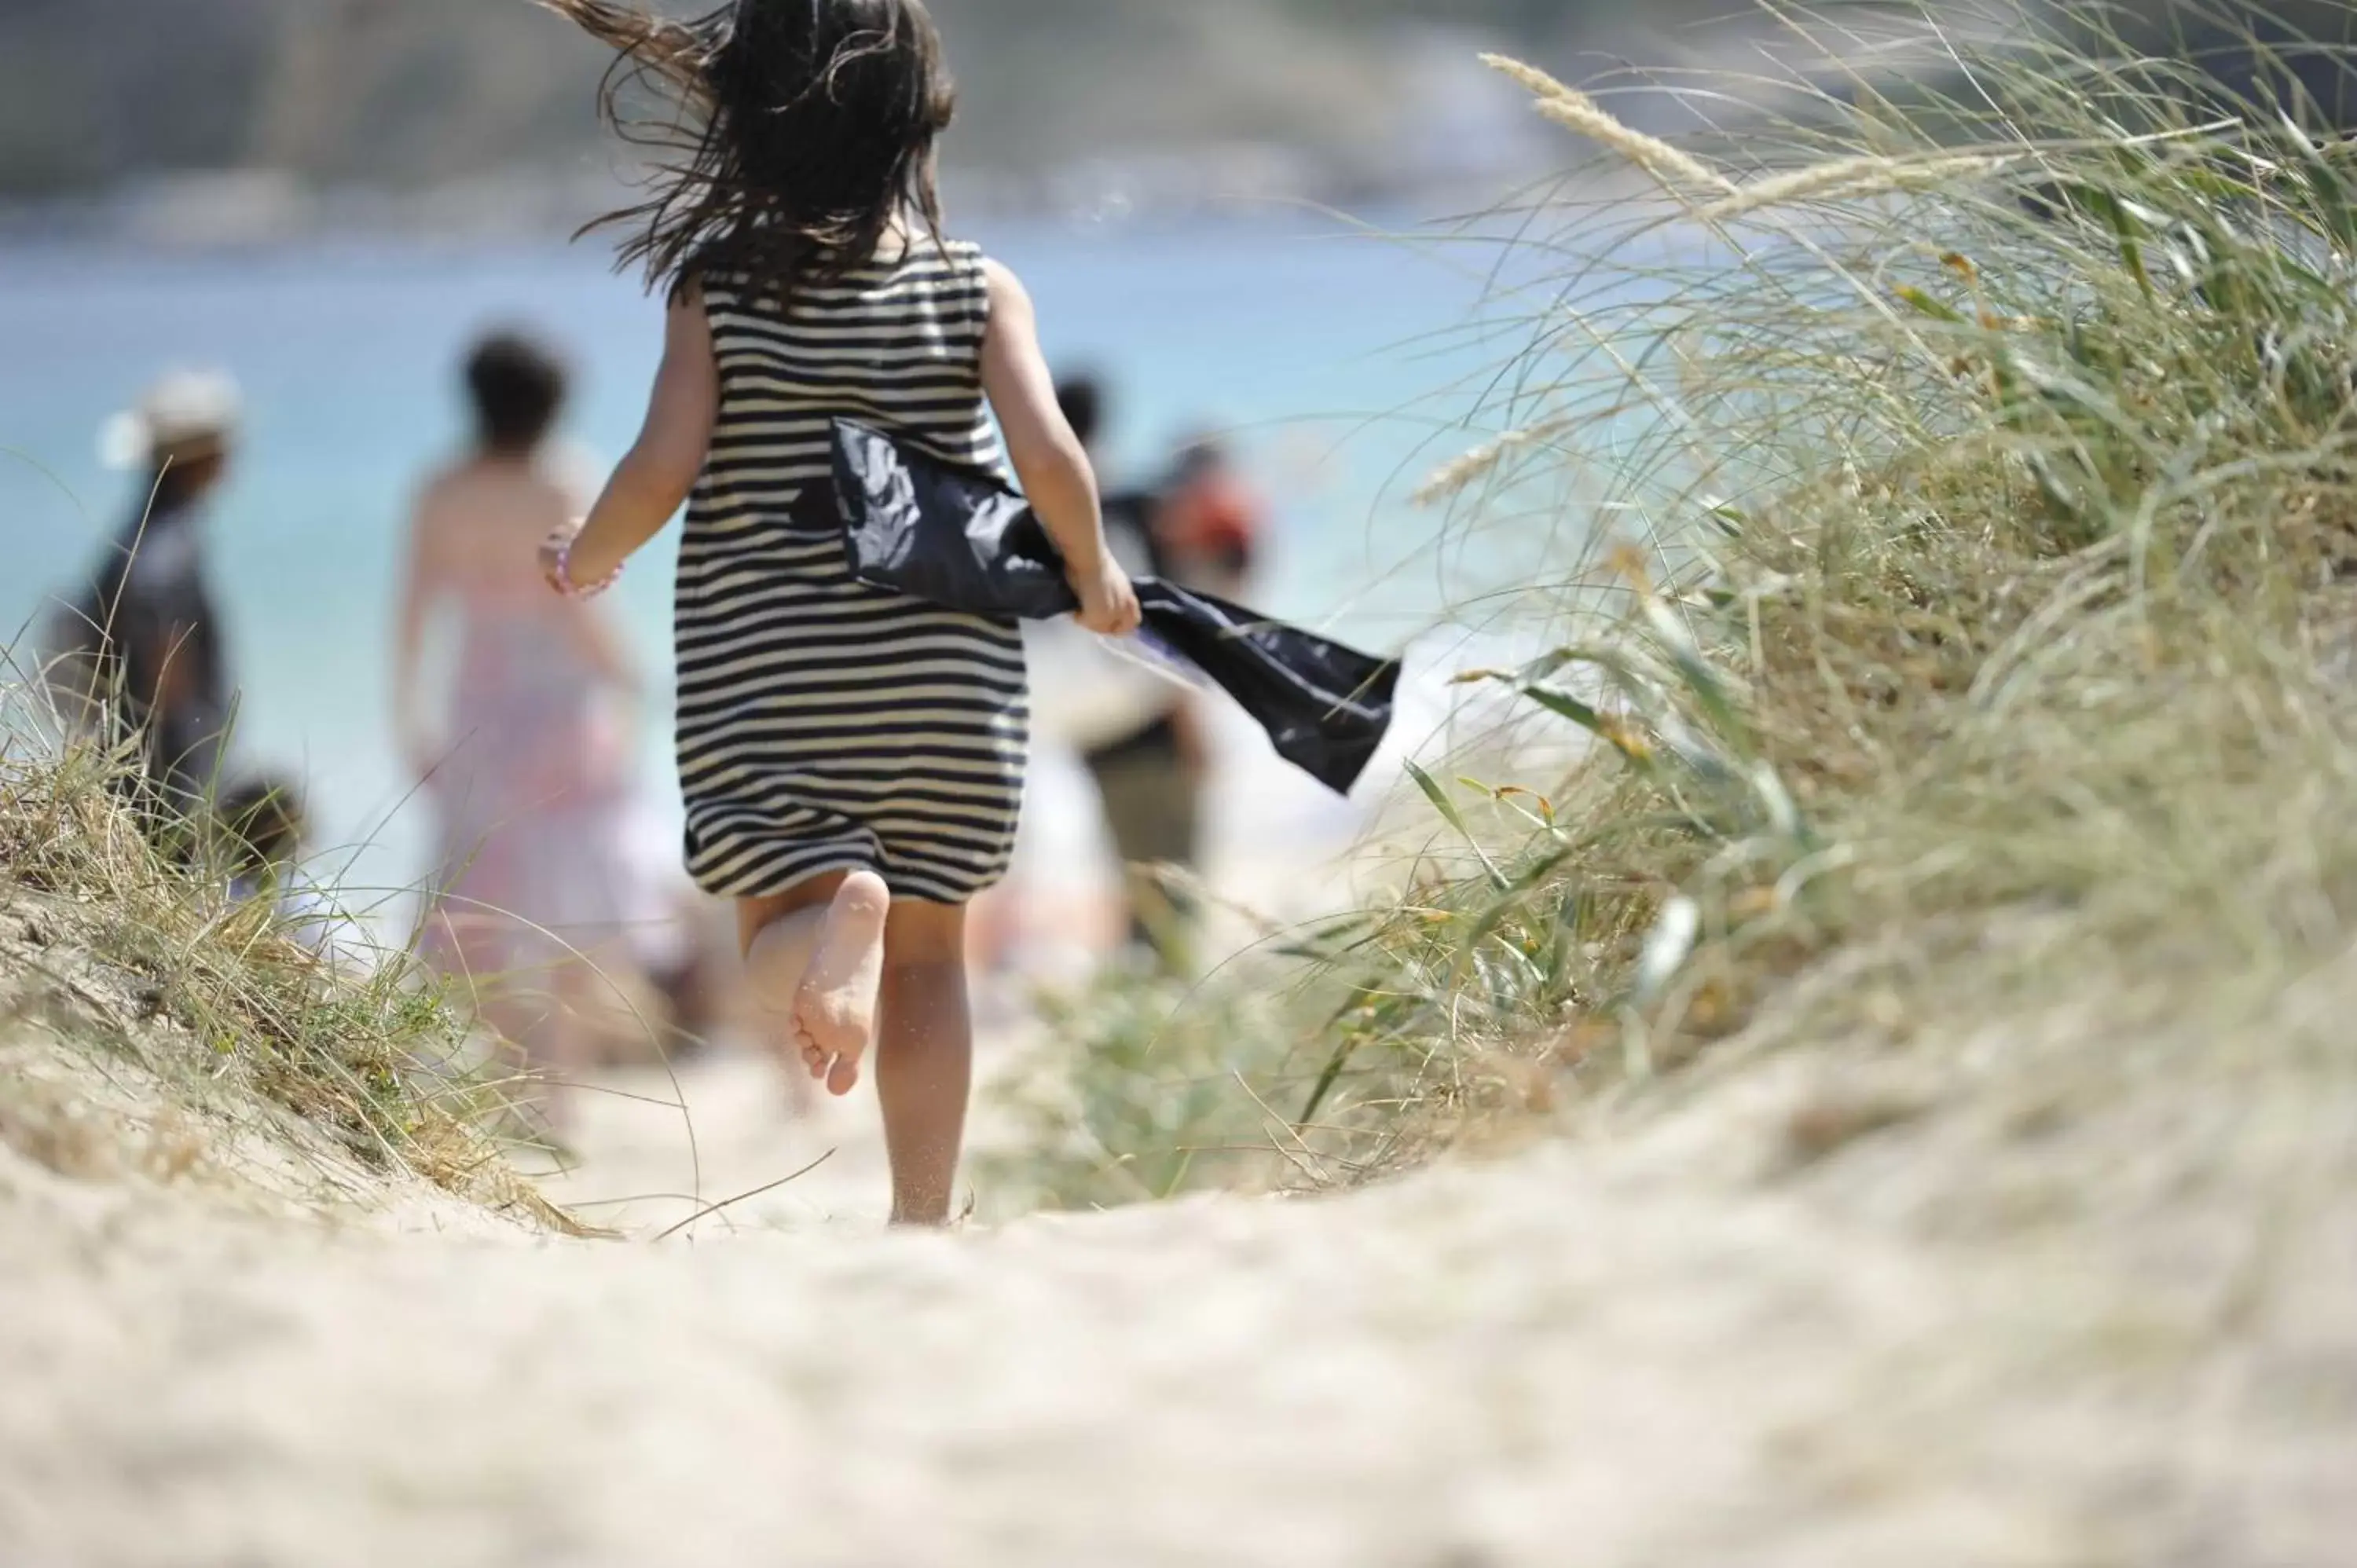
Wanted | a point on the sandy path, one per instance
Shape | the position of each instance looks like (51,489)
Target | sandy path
(658,1149)
(659,1146)
(1671,1347)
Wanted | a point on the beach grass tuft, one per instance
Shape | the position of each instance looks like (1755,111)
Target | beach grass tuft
(122,946)
(1965,617)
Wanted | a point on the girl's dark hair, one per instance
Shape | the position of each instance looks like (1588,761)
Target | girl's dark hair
(518,388)
(799,130)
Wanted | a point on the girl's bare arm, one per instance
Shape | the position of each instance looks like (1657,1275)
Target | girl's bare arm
(1048,457)
(654,480)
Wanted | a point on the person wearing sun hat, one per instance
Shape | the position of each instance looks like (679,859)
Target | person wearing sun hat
(147,634)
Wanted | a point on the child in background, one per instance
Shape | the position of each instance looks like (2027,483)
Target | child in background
(265,824)
(265,820)
(852,758)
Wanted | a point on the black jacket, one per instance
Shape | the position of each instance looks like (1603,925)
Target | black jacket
(955,537)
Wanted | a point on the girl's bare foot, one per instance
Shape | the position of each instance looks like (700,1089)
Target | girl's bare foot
(834,1011)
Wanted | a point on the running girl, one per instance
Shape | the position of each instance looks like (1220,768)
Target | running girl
(852,759)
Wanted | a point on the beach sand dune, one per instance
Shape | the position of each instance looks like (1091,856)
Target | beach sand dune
(1832,1309)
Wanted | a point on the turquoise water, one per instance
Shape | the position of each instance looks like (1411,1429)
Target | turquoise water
(1340,359)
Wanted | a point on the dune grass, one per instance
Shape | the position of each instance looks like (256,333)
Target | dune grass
(1966,618)
(119,952)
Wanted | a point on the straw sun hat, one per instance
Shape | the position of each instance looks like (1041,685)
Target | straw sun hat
(185,416)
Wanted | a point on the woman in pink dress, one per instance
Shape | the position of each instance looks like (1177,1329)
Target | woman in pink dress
(527,763)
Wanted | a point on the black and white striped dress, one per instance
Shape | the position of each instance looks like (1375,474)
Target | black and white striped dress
(823,725)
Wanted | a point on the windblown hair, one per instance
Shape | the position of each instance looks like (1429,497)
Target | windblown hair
(797,131)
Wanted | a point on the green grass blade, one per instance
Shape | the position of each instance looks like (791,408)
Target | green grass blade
(1923,304)
(1451,813)
(2332,205)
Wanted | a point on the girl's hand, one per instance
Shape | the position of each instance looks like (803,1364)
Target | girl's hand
(1108,602)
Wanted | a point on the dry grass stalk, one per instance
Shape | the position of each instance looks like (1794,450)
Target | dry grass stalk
(1459,473)
(1849,179)
(1678,171)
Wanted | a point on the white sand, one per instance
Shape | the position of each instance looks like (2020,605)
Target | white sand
(2106,1316)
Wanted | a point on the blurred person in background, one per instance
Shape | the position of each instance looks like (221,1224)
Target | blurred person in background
(263,823)
(529,764)
(264,826)
(1150,772)
(140,656)
(1211,525)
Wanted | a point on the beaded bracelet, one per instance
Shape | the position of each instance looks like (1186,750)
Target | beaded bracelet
(572,590)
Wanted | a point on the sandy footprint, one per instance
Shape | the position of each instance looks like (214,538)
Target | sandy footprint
(834,1011)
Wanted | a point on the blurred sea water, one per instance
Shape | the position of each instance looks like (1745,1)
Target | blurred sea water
(1344,357)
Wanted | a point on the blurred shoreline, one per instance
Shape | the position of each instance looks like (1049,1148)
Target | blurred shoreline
(250,208)
(1404,115)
